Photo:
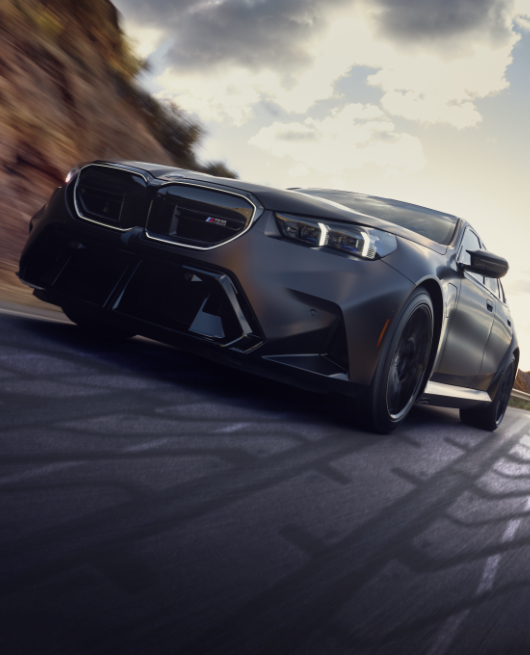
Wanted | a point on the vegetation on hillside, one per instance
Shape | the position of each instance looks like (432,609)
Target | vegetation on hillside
(55,27)
(68,94)
(519,404)
(522,381)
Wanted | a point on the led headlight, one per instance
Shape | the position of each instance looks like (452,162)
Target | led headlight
(357,240)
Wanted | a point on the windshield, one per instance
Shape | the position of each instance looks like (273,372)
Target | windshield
(434,225)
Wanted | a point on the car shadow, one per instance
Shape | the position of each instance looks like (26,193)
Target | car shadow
(151,359)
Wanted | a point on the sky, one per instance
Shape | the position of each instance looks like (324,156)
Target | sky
(426,101)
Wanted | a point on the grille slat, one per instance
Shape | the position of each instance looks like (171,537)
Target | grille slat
(110,196)
(197,216)
(182,213)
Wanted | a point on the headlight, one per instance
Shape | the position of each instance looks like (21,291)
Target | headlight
(357,240)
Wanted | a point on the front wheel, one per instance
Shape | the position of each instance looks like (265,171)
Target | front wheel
(490,418)
(402,366)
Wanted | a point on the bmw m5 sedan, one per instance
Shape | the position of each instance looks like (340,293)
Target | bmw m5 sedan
(383,301)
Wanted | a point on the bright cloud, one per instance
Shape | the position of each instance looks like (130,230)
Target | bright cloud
(230,98)
(347,139)
(522,13)
(144,39)
(427,86)
(522,8)
(427,89)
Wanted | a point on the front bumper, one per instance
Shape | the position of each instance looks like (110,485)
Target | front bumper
(259,303)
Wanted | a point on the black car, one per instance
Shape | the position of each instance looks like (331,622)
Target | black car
(383,301)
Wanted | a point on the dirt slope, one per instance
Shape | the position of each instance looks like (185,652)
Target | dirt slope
(65,72)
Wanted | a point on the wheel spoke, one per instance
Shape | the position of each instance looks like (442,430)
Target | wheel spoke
(408,364)
(504,395)
(394,387)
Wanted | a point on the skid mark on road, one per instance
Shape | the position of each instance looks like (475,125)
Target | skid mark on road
(449,631)
(44,470)
(148,445)
(261,517)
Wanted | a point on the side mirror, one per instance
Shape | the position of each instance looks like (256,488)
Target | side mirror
(486,263)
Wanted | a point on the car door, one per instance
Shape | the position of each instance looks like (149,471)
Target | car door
(470,325)
(500,337)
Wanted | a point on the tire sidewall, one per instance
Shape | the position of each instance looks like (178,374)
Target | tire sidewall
(509,369)
(381,419)
(486,418)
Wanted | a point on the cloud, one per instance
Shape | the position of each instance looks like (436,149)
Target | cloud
(300,170)
(296,132)
(517,287)
(522,13)
(424,86)
(428,20)
(347,139)
(280,35)
(228,98)
(434,58)
(428,89)
(257,34)
(155,12)
(524,22)
(231,94)
(144,39)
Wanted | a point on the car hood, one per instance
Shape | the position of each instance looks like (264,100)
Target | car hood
(286,201)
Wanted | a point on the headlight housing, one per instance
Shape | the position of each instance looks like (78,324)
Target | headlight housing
(357,240)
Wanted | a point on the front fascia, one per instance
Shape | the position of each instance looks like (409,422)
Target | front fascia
(297,292)
(294,291)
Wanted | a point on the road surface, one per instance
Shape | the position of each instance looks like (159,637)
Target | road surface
(155,503)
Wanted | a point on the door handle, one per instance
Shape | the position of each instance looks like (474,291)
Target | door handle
(489,305)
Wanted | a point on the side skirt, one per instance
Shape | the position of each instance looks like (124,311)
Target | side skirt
(448,395)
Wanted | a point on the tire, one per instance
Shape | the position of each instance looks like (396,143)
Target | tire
(95,328)
(400,373)
(490,417)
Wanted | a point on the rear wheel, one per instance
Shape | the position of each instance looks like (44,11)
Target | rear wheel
(490,417)
(95,328)
(402,367)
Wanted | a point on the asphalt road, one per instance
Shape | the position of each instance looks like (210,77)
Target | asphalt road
(155,503)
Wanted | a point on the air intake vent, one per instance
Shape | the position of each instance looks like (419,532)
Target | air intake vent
(198,217)
(111,197)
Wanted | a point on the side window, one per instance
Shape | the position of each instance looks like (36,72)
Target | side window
(470,242)
(493,285)
(501,291)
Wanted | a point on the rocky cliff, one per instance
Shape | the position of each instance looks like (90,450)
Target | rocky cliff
(67,96)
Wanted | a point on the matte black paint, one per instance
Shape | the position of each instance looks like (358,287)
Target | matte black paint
(468,335)
(296,299)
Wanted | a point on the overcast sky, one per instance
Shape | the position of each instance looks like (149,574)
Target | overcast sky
(427,101)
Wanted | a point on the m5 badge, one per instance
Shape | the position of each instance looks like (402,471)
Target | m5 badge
(216,221)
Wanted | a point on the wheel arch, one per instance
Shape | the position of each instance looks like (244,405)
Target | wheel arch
(435,292)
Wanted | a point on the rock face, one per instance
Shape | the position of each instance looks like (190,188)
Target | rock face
(522,381)
(64,65)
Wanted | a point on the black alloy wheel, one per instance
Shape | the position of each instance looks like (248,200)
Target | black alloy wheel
(490,417)
(402,366)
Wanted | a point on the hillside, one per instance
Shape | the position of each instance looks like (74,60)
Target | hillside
(67,95)
(522,382)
